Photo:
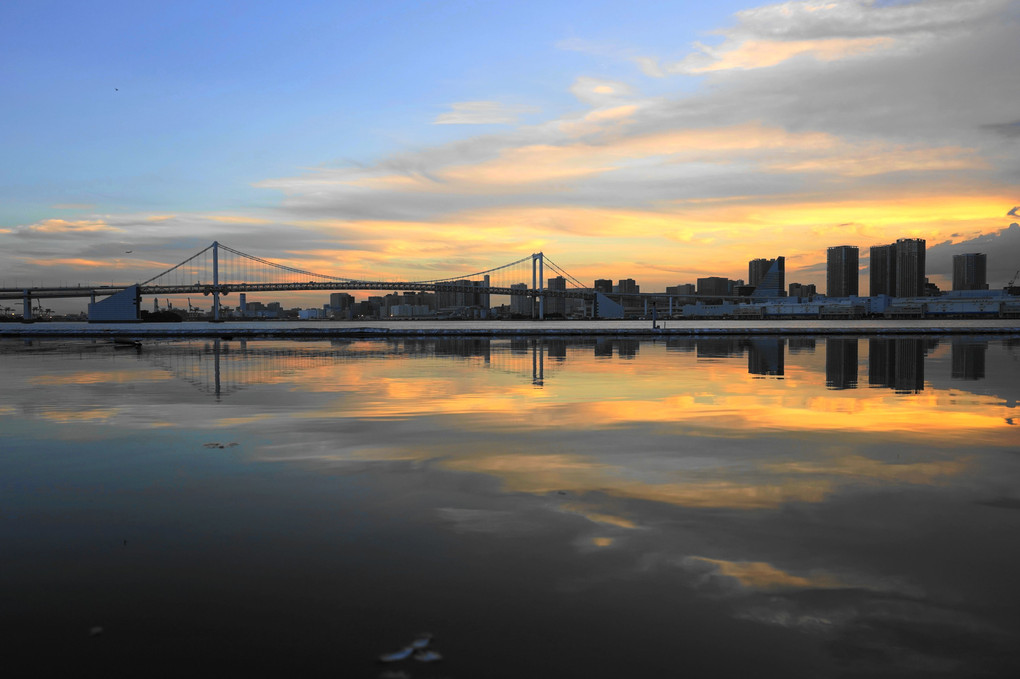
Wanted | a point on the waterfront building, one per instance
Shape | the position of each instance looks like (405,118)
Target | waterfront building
(771,283)
(970,271)
(603,285)
(841,271)
(882,266)
(910,281)
(803,290)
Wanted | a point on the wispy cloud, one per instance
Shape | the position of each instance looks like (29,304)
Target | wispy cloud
(482,113)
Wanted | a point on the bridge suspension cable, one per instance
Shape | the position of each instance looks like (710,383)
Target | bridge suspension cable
(552,265)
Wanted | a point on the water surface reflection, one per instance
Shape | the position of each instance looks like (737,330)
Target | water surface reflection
(611,506)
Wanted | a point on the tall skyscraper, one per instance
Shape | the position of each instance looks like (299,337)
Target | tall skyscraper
(841,271)
(970,271)
(883,270)
(910,267)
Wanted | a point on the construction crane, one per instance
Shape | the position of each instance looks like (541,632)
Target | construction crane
(1013,279)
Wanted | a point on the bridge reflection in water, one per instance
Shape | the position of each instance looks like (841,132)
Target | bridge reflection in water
(224,367)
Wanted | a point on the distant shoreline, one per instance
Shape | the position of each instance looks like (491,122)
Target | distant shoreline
(367,329)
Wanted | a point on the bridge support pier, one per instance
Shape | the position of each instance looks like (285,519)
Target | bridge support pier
(26,308)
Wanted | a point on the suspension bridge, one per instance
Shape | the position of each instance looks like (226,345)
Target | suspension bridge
(219,270)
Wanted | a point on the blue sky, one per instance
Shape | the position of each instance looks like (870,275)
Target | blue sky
(183,105)
(655,141)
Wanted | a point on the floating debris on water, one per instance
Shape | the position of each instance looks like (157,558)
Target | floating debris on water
(216,444)
(417,647)
(402,654)
(427,656)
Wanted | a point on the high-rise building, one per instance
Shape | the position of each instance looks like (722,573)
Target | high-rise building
(883,270)
(629,286)
(555,306)
(756,270)
(910,267)
(841,271)
(970,271)
(521,304)
(770,280)
(603,285)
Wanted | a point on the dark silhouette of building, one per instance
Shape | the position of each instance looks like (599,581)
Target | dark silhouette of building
(603,285)
(841,271)
(628,286)
(910,281)
(970,271)
(883,270)
(841,363)
(713,286)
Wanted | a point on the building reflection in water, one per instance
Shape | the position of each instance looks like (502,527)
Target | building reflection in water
(968,358)
(897,364)
(802,345)
(222,367)
(765,356)
(841,363)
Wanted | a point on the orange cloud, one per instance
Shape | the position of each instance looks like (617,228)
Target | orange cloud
(65,226)
(752,54)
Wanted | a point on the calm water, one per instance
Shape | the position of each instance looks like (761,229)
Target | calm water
(702,508)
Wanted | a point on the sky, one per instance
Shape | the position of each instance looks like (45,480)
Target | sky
(660,141)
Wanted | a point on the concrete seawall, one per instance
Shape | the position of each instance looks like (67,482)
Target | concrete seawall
(325,329)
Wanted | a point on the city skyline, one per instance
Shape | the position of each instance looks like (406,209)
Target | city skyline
(660,144)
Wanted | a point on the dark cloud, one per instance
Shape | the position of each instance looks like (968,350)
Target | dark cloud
(1002,248)
(1005,129)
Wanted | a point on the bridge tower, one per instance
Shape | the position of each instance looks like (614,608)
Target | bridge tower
(216,280)
(539,259)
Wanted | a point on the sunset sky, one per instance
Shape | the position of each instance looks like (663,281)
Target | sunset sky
(409,140)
